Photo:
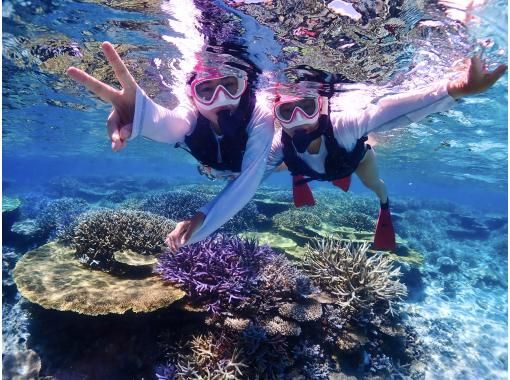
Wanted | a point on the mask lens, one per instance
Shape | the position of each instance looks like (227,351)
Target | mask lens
(285,110)
(205,89)
(308,105)
(231,84)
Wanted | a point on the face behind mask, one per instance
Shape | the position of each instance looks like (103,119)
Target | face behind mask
(302,139)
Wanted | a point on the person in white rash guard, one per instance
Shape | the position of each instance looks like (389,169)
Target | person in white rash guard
(224,125)
(318,144)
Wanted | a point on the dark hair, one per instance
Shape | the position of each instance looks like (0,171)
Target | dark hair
(305,73)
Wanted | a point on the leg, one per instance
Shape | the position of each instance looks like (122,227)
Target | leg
(384,238)
(368,173)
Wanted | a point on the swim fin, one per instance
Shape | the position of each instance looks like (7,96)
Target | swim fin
(384,239)
(301,191)
(343,183)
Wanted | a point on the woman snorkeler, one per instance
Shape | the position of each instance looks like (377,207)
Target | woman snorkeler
(318,144)
(224,125)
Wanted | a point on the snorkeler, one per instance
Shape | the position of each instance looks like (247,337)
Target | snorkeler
(318,144)
(222,125)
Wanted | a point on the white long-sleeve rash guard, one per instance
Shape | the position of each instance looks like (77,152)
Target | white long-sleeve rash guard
(390,112)
(171,126)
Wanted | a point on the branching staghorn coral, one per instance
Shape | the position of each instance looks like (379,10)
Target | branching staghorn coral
(314,364)
(218,273)
(358,281)
(278,281)
(295,219)
(249,354)
(59,217)
(267,356)
(99,234)
(209,356)
(333,323)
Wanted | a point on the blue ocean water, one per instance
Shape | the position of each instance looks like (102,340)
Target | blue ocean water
(446,175)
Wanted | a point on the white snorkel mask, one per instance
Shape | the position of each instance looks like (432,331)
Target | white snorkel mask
(292,111)
(216,88)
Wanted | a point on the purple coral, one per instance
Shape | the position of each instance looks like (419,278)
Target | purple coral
(218,273)
(165,371)
(314,364)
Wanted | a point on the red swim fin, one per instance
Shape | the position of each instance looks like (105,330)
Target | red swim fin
(302,193)
(343,183)
(384,239)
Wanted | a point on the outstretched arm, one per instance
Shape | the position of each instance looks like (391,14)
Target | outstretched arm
(121,119)
(159,123)
(236,194)
(133,112)
(477,79)
(404,109)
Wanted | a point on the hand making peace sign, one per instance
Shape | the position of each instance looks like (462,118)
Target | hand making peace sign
(120,121)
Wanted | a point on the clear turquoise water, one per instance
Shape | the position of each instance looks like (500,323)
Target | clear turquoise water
(53,128)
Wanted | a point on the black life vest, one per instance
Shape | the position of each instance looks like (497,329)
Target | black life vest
(203,145)
(339,163)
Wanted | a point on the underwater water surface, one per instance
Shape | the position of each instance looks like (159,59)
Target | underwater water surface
(446,176)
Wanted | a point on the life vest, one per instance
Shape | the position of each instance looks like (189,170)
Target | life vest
(339,164)
(203,144)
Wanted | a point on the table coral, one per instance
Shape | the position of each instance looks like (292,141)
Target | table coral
(52,277)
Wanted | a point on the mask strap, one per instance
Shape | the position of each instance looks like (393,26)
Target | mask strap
(324,106)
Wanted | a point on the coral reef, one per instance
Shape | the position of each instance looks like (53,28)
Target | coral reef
(268,356)
(306,311)
(312,359)
(218,272)
(10,213)
(58,218)
(183,204)
(279,281)
(26,234)
(296,219)
(250,354)
(15,325)
(358,281)
(205,357)
(245,220)
(52,277)
(99,234)
(10,204)
(280,326)
(176,205)
(21,365)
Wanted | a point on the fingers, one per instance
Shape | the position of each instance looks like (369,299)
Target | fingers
(118,134)
(170,241)
(496,74)
(173,239)
(125,131)
(113,126)
(99,88)
(121,72)
(186,236)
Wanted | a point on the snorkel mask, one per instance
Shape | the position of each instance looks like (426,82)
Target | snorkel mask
(219,87)
(293,111)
